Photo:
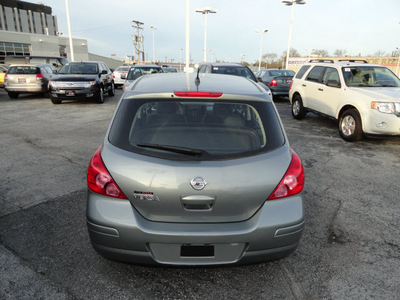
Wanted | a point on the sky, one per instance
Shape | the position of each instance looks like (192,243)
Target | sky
(356,26)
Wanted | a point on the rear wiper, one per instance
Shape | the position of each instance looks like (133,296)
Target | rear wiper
(181,150)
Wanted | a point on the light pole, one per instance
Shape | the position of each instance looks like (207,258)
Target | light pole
(69,31)
(180,60)
(309,51)
(291,3)
(261,44)
(398,63)
(154,48)
(205,12)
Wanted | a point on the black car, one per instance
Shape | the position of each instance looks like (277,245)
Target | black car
(278,80)
(236,69)
(82,80)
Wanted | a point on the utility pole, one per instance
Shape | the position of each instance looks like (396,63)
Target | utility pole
(137,38)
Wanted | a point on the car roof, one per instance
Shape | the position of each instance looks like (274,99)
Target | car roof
(350,63)
(168,83)
(222,64)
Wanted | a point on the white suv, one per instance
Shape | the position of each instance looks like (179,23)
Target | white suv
(365,98)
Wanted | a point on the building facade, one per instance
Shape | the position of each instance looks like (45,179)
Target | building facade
(31,29)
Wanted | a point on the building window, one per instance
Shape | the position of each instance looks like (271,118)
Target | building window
(11,49)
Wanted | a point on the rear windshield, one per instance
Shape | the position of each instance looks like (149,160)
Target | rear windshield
(136,72)
(23,70)
(79,68)
(281,73)
(184,130)
(123,69)
(234,70)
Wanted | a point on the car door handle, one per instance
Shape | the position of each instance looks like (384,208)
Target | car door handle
(319,89)
(304,85)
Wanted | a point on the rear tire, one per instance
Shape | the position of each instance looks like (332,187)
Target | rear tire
(13,95)
(298,110)
(350,126)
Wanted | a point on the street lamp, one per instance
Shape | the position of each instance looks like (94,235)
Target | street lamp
(205,12)
(398,62)
(291,3)
(154,48)
(261,44)
(309,51)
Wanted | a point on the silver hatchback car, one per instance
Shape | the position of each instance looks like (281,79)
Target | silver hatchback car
(195,170)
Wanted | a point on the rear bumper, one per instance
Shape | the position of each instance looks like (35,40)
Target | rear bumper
(117,231)
(26,89)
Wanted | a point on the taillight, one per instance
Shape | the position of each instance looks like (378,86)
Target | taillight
(292,182)
(99,180)
(291,85)
(113,75)
(5,77)
(273,82)
(198,94)
(39,77)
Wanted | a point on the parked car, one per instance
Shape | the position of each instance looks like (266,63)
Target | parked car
(119,75)
(363,97)
(195,170)
(55,61)
(137,71)
(28,79)
(231,69)
(278,80)
(82,80)
(170,70)
(3,71)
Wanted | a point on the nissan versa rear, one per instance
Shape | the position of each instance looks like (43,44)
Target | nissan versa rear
(195,171)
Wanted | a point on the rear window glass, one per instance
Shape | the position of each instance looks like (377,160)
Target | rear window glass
(184,130)
(123,69)
(233,70)
(23,70)
(281,73)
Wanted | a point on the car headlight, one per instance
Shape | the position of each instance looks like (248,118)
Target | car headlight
(52,84)
(88,84)
(386,107)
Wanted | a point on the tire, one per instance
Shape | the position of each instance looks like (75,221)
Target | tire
(111,92)
(100,98)
(350,126)
(298,110)
(13,95)
(55,101)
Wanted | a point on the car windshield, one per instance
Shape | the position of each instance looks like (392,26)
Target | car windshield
(359,76)
(79,68)
(23,70)
(185,130)
(234,70)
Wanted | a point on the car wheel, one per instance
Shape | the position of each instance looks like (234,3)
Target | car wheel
(111,92)
(13,95)
(298,110)
(100,98)
(55,101)
(350,127)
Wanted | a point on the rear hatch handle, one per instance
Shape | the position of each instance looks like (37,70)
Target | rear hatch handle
(198,202)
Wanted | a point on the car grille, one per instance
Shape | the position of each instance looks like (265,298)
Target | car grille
(71,85)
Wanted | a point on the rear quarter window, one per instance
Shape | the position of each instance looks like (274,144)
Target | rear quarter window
(212,130)
(315,74)
(302,71)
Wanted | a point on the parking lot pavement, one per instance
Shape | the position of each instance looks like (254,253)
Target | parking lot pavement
(350,247)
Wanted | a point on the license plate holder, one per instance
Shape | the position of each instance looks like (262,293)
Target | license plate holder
(197,251)
(70,93)
(21,80)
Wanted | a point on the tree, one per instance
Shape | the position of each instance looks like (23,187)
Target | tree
(379,53)
(321,52)
(292,53)
(340,53)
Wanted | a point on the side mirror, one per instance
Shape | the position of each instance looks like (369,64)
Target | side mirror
(104,72)
(259,79)
(55,72)
(333,83)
